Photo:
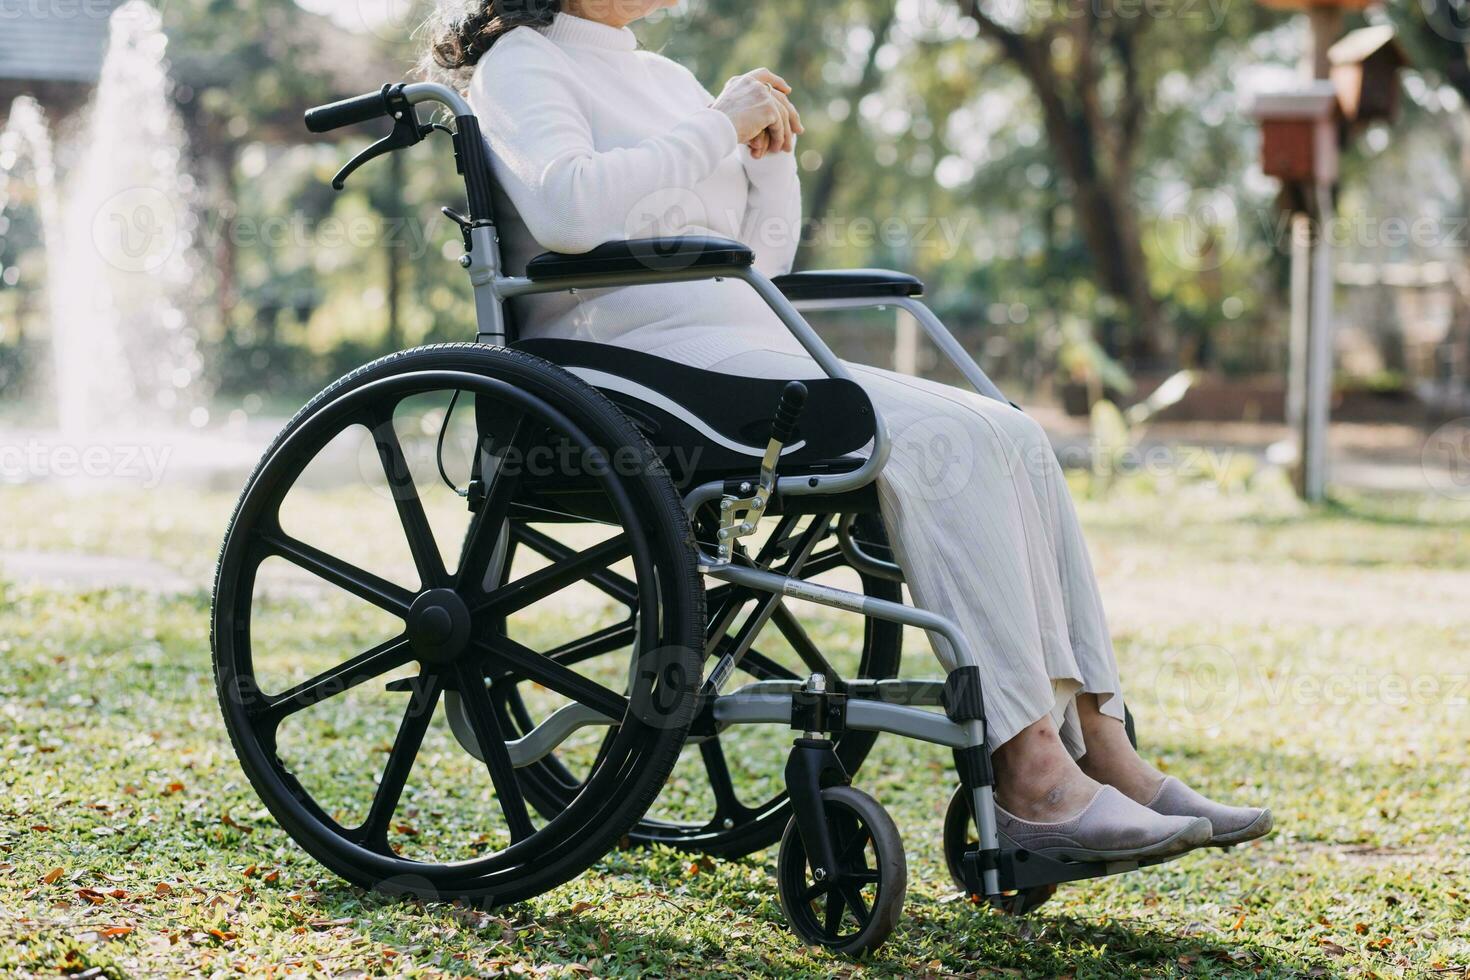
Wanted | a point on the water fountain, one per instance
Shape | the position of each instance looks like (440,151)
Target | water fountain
(115,206)
(124,356)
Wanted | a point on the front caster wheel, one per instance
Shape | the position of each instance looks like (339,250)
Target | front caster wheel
(960,836)
(853,910)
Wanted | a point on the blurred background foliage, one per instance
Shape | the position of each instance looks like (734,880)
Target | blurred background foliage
(1076,182)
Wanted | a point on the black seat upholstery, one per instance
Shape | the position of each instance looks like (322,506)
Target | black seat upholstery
(711,426)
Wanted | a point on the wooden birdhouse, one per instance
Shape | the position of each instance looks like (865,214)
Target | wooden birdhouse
(1299,133)
(1365,72)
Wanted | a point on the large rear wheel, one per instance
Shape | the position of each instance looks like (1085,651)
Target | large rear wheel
(337,726)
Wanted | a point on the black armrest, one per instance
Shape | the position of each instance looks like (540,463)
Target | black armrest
(643,255)
(848,284)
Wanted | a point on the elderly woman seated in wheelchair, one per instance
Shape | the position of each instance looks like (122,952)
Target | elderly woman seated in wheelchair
(644,372)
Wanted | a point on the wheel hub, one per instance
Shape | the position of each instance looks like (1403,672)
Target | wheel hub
(439,626)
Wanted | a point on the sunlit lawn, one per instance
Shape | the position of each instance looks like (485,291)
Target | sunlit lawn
(1318,660)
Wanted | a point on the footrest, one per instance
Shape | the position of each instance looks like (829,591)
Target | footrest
(1021,869)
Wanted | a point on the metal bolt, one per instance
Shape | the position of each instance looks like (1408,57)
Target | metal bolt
(464,261)
(728,824)
(745,487)
(819,873)
(758,503)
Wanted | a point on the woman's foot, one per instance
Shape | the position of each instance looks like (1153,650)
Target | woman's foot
(1046,804)
(1112,760)
(1109,828)
(1231,824)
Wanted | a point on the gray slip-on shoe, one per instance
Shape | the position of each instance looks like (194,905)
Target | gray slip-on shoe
(1110,828)
(1231,824)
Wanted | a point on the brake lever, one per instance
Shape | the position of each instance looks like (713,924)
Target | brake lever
(407,131)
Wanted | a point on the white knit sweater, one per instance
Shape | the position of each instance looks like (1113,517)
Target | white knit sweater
(593,140)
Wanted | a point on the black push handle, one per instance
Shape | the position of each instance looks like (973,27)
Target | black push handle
(793,400)
(350,112)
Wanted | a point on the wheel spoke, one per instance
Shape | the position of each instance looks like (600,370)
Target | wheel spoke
(343,677)
(489,522)
(854,898)
(527,663)
(605,640)
(815,892)
(543,582)
(416,718)
(864,876)
(491,738)
(618,587)
(852,849)
(727,804)
(365,585)
(426,556)
(835,905)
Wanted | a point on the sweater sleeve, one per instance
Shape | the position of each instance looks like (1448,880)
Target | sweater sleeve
(772,222)
(571,196)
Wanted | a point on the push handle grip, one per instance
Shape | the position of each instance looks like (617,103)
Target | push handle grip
(349,112)
(793,400)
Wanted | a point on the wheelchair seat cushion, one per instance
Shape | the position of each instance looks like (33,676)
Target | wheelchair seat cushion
(712,426)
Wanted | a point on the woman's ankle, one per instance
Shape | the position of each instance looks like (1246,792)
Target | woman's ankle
(1047,801)
(1036,778)
(1111,758)
(1124,770)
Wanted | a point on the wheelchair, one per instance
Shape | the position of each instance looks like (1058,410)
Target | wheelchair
(684,508)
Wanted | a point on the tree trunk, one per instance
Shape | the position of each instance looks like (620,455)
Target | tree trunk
(847,135)
(1095,149)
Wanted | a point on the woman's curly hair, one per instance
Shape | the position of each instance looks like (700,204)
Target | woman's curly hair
(461,32)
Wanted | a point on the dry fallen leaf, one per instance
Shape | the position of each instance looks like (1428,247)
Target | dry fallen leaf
(329,923)
(53,875)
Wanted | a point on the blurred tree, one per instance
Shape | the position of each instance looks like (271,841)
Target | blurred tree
(1436,34)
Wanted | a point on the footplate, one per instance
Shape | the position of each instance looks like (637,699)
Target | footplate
(1021,870)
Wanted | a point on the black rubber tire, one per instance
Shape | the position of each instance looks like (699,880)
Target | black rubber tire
(844,804)
(616,796)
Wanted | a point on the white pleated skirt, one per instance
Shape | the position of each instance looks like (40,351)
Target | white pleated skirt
(980,518)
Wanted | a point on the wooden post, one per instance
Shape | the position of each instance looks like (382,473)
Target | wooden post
(1324,25)
(1319,358)
(1296,358)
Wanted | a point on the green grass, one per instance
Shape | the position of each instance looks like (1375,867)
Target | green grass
(1315,659)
